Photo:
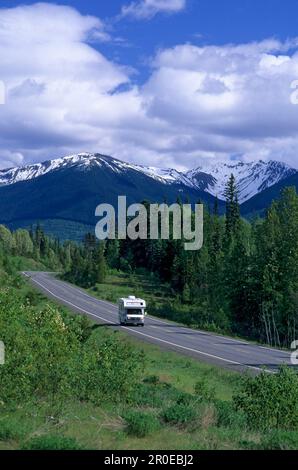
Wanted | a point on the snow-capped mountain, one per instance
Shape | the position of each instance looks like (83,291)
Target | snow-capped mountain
(252,178)
(81,161)
(86,162)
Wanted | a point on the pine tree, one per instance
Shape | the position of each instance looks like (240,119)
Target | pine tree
(232,209)
(101,267)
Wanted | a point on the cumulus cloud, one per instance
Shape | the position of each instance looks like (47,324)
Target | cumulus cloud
(10,159)
(144,9)
(226,100)
(214,102)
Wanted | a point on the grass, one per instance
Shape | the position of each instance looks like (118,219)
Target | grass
(118,284)
(104,428)
(167,375)
(161,300)
(168,379)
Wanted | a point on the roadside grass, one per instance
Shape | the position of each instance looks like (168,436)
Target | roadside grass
(168,380)
(104,428)
(168,377)
(183,372)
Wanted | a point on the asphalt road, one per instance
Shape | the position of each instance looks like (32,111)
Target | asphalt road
(215,349)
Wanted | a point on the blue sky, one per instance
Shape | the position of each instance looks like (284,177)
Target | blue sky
(162,82)
(201,22)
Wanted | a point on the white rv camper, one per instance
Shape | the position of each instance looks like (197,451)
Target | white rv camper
(131,311)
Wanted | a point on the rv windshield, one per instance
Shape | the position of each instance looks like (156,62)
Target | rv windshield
(134,311)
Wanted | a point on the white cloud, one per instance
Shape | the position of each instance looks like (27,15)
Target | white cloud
(213,102)
(232,99)
(10,159)
(144,9)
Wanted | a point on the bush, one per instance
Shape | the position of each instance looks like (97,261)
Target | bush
(141,424)
(270,400)
(110,370)
(151,379)
(158,395)
(203,392)
(180,414)
(280,440)
(32,297)
(9,431)
(51,442)
(55,356)
(39,351)
(227,415)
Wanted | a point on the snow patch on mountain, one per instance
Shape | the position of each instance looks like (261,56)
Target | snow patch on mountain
(251,178)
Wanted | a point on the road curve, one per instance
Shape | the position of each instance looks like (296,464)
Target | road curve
(226,352)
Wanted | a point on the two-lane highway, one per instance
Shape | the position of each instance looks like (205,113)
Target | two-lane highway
(221,350)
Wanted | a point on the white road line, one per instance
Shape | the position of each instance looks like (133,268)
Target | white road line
(152,337)
(157,320)
(158,327)
(91,299)
(212,335)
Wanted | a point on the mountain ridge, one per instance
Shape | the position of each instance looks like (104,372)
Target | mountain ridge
(252,177)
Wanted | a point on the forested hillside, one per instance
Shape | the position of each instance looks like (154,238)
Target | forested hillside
(243,281)
(68,384)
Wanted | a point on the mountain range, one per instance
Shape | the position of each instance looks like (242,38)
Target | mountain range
(63,193)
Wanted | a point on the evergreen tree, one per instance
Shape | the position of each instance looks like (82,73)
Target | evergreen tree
(232,209)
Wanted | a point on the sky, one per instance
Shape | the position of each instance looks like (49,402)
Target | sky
(166,83)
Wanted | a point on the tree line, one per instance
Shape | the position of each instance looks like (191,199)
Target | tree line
(245,278)
(243,281)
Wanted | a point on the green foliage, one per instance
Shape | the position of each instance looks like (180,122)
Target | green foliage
(203,391)
(59,357)
(87,263)
(152,379)
(228,416)
(270,400)
(10,430)
(244,280)
(141,424)
(158,394)
(51,442)
(280,440)
(180,414)
(109,370)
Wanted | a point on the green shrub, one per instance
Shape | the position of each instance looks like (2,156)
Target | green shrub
(51,442)
(158,395)
(58,356)
(203,391)
(141,424)
(227,415)
(151,379)
(109,369)
(270,400)
(180,414)
(32,297)
(280,440)
(10,431)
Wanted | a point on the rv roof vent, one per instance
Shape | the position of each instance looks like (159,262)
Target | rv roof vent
(131,297)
